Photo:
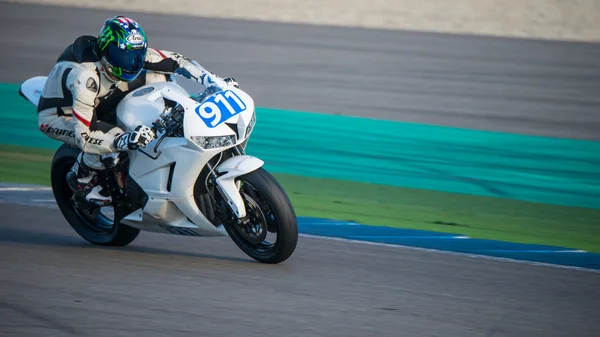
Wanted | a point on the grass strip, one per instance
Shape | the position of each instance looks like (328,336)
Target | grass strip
(475,216)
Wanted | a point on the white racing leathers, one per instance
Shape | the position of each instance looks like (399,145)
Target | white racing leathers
(78,94)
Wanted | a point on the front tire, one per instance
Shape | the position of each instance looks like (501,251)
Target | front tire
(98,230)
(265,202)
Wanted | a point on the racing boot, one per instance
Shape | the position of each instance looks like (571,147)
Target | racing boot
(83,181)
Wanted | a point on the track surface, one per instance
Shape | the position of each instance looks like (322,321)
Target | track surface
(54,284)
(526,86)
(558,257)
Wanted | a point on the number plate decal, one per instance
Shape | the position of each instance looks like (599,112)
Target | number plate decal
(220,107)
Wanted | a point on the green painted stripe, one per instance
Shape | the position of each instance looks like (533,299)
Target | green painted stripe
(541,169)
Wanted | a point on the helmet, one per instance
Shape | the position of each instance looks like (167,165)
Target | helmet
(122,45)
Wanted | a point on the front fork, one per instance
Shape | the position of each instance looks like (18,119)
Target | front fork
(224,175)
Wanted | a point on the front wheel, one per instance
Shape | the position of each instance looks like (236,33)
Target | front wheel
(268,212)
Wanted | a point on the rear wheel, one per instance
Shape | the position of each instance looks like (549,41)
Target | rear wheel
(269,233)
(95,225)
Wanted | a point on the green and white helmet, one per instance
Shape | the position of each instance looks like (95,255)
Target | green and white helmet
(122,44)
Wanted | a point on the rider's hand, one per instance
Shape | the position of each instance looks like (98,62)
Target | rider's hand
(209,81)
(214,80)
(140,137)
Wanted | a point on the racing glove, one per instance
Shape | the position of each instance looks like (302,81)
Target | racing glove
(193,70)
(140,137)
(209,81)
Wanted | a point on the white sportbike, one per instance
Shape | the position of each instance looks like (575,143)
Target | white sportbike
(194,179)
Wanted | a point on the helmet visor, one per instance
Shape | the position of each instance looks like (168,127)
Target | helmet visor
(129,61)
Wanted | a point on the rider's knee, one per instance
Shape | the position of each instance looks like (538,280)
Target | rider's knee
(93,161)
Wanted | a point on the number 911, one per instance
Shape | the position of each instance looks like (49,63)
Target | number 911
(220,107)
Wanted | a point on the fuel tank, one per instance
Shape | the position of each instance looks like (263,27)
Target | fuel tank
(143,106)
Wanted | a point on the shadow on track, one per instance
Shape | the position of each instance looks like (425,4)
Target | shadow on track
(28,237)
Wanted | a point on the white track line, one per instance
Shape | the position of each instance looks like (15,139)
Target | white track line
(25,189)
(476,256)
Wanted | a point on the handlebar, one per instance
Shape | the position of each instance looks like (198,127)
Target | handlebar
(171,119)
(169,123)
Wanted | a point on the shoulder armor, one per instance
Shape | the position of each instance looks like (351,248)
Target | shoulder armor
(83,49)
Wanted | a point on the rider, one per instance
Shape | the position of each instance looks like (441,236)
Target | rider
(90,77)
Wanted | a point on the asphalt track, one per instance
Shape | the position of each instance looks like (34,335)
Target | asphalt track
(525,86)
(54,284)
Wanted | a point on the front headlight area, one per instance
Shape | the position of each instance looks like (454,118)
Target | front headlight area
(213,142)
(250,126)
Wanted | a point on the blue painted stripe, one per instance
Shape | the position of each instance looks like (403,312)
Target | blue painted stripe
(535,251)
(449,242)
(407,237)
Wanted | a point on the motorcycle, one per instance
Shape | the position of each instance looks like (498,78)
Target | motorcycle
(194,179)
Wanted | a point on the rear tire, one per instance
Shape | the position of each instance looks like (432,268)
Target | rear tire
(274,202)
(98,230)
